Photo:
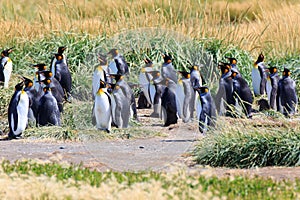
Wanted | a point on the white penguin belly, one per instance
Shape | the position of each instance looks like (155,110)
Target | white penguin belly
(7,73)
(102,112)
(22,110)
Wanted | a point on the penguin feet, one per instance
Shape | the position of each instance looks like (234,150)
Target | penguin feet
(107,131)
(154,115)
(69,98)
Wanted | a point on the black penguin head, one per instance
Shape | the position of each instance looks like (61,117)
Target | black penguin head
(185,74)
(102,59)
(28,82)
(117,77)
(260,58)
(102,84)
(224,67)
(47,74)
(59,56)
(234,72)
(6,52)
(286,72)
(19,86)
(61,50)
(203,90)
(272,70)
(167,58)
(113,52)
(148,62)
(155,74)
(40,67)
(232,61)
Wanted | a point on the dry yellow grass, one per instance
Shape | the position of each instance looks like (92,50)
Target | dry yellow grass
(252,25)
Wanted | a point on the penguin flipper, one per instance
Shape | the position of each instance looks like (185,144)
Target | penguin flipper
(198,106)
(113,67)
(180,98)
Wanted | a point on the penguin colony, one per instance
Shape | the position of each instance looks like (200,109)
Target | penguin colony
(170,93)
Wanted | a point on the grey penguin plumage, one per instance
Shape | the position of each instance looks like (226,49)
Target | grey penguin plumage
(159,86)
(242,93)
(224,97)
(168,103)
(259,76)
(48,111)
(287,93)
(188,91)
(125,88)
(18,111)
(167,70)
(274,78)
(63,75)
(120,107)
(60,50)
(119,62)
(208,114)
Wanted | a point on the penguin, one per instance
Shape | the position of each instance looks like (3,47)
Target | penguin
(224,97)
(233,63)
(287,93)
(259,75)
(34,98)
(187,107)
(159,86)
(145,77)
(48,111)
(272,94)
(63,75)
(46,78)
(207,115)
(18,112)
(60,50)
(118,65)
(167,70)
(197,80)
(6,66)
(168,103)
(100,73)
(102,108)
(127,91)
(242,92)
(120,107)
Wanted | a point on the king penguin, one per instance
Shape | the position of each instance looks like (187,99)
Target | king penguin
(125,88)
(6,66)
(120,107)
(207,115)
(18,112)
(48,111)
(118,65)
(102,108)
(259,76)
(187,108)
(168,103)
(197,80)
(34,98)
(60,50)
(167,70)
(63,75)
(160,86)
(274,79)
(100,73)
(287,93)
(224,97)
(242,93)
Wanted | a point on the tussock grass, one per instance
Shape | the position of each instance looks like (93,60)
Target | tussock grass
(264,141)
(54,181)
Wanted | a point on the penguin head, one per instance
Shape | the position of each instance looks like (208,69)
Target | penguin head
(148,62)
(59,56)
(6,52)
(47,74)
(203,90)
(61,50)
(40,66)
(47,88)
(167,58)
(117,77)
(102,59)
(28,82)
(232,61)
(260,58)
(19,86)
(102,84)
(224,67)
(185,74)
(234,73)
(272,70)
(286,72)
(113,52)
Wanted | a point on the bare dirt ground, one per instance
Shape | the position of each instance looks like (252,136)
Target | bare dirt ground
(164,153)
